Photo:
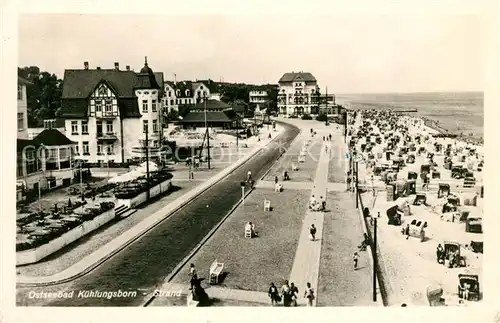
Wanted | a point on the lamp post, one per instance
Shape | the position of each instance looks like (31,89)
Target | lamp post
(206,129)
(374,251)
(147,162)
(243,184)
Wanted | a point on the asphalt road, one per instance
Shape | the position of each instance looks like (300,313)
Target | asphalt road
(144,265)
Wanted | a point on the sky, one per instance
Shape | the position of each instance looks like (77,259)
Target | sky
(348,53)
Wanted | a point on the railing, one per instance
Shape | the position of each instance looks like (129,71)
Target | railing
(105,114)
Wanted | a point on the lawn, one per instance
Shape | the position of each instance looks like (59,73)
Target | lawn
(307,170)
(251,264)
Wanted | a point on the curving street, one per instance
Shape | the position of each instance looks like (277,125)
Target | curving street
(145,263)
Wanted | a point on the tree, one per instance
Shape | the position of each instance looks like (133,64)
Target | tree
(43,96)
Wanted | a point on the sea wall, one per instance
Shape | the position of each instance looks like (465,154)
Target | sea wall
(142,197)
(36,254)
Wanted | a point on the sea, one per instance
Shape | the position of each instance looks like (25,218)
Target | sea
(457,112)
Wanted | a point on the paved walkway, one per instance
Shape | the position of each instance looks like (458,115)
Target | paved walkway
(306,264)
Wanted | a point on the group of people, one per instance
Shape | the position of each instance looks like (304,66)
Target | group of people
(327,138)
(289,294)
(315,205)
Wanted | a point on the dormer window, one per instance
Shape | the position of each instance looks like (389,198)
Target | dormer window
(178,92)
(187,92)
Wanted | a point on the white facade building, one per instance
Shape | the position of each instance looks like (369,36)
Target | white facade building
(298,94)
(22,108)
(258,98)
(108,112)
(187,93)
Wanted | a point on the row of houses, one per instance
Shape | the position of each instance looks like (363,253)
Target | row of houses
(110,116)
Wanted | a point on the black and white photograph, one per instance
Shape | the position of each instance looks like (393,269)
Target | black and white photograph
(250,160)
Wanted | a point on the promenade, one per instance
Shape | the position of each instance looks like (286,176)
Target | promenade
(326,263)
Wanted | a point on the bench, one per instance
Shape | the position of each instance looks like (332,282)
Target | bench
(215,271)
(295,167)
(278,187)
(267,205)
(302,159)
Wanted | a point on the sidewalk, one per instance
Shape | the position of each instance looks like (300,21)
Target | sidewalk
(306,264)
(167,289)
(96,258)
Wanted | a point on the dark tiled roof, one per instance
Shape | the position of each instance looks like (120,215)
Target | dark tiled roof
(24,81)
(212,86)
(212,116)
(52,137)
(211,105)
(159,81)
(182,87)
(23,143)
(79,84)
(290,77)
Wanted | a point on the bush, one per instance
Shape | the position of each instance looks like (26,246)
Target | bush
(322,117)
(306,117)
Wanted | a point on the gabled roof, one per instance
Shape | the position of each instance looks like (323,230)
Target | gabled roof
(212,86)
(52,137)
(212,105)
(182,87)
(302,76)
(212,116)
(79,85)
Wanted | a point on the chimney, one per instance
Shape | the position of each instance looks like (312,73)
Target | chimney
(117,66)
(98,68)
(86,65)
(127,67)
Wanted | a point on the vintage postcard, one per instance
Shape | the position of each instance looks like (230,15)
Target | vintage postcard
(251,159)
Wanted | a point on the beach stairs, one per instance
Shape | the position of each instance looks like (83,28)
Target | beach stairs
(123,211)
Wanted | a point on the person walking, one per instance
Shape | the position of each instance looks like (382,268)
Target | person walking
(330,135)
(294,292)
(193,275)
(312,232)
(273,294)
(309,294)
(275,179)
(355,259)
(285,292)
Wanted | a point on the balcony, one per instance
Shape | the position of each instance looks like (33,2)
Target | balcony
(106,114)
(107,136)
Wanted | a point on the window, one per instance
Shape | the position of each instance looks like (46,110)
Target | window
(145,106)
(77,149)
(103,91)
(98,105)
(145,127)
(86,148)
(63,153)
(74,127)
(20,121)
(19,92)
(171,102)
(155,126)
(204,93)
(100,150)
(153,106)
(176,101)
(85,127)
(187,92)
(178,92)
(169,93)
(109,127)
(110,149)
(109,106)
